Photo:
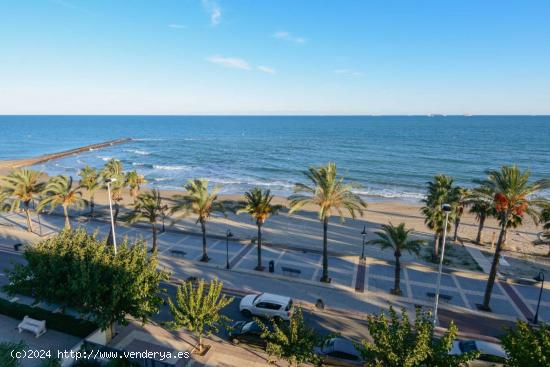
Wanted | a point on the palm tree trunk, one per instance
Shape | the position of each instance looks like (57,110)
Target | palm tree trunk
(457,224)
(325,278)
(436,246)
(396,286)
(28,214)
(259,267)
(66,214)
(154,226)
(92,206)
(205,257)
(494,266)
(480,228)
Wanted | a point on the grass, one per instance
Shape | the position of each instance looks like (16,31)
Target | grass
(55,321)
(456,256)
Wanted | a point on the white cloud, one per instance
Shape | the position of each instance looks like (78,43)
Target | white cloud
(287,36)
(229,62)
(215,11)
(177,26)
(348,72)
(266,69)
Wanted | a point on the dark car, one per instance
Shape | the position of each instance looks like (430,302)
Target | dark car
(248,332)
(339,352)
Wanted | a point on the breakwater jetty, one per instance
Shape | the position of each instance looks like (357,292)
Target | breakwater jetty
(16,163)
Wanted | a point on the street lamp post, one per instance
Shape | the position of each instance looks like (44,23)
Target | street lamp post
(447,209)
(539,278)
(364,234)
(108,181)
(228,235)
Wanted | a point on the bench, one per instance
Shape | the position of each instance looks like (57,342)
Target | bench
(291,271)
(442,296)
(178,252)
(34,326)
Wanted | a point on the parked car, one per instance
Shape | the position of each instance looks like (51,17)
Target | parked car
(487,351)
(339,352)
(267,305)
(248,332)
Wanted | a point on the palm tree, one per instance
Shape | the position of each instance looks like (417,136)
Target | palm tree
(134,181)
(258,205)
(481,206)
(198,200)
(114,171)
(397,238)
(147,208)
(91,181)
(22,186)
(60,191)
(330,194)
(459,202)
(513,197)
(440,191)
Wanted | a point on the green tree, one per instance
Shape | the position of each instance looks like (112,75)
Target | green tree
(514,196)
(440,191)
(291,341)
(147,207)
(527,346)
(258,206)
(200,201)
(198,309)
(6,349)
(398,239)
(330,194)
(22,187)
(91,181)
(59,191)
(76,270)
(399,343)
(481,204)
(134,181)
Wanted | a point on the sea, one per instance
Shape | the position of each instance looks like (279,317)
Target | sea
(390,157)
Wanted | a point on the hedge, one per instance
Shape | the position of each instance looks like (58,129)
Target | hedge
(55,321)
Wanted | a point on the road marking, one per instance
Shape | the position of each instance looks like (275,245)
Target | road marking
(461,292)
(360,280)
(407,282)
(240,255)
(319,267)
(518,304)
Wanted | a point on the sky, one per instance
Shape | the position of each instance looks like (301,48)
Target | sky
(274,57)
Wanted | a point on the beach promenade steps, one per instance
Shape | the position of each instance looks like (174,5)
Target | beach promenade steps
(17,163)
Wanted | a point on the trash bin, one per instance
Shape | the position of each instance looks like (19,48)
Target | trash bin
(271,266)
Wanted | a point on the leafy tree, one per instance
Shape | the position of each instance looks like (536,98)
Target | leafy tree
(513,198)
(91,181)
(200,201)
(399,343)
(198,309)
(60,191)
(21,187)
(258,206)
(6,348)
(134,181)
(330,194)
(527,346)
(481,206)
(147,208)
(398,239)
(74,269)
(291,341)
(440,191)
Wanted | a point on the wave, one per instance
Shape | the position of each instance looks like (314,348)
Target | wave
(170,168)
(149,139)
(391,194)
(105,159)
(137,151)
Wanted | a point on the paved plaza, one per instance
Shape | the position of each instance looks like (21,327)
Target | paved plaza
(372,276)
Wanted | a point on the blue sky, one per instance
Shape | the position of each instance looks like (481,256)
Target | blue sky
(274,57)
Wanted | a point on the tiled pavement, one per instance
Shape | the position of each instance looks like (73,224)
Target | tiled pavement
(465,288)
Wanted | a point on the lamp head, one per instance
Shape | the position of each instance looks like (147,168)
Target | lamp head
(229,234)
(110,180)
(446,208)
(364,231)
(539,277)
